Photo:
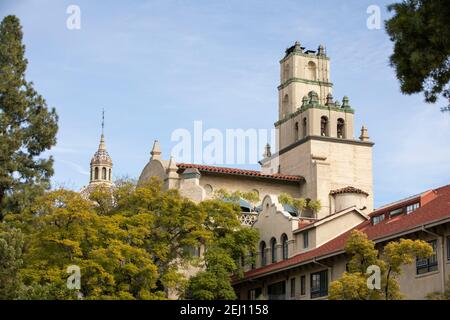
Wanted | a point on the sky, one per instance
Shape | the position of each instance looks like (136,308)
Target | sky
(157,66)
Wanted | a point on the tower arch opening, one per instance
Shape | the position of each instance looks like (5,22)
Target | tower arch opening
(324,126)
(341,128)
(311,71)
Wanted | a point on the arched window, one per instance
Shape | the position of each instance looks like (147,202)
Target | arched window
(285,104)
(104,173)
(340,128)
(110,178)
(273,248)
(296,131)
(304,128)
(324,126)
(262,249)
(284,243)
(311,71)
(96,173)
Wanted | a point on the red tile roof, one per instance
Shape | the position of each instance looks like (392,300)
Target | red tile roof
(348,189)
(242,172)
(434,211)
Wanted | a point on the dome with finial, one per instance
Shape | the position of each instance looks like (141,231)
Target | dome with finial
(101,168)
(101,156)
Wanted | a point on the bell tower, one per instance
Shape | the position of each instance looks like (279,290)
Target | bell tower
(315,134)
(302,71)
(101,162)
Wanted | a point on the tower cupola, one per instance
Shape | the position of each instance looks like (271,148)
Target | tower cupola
(101,162)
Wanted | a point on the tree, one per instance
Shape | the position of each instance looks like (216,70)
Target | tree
(229,248)
(134,247)
(172,226)
(236,196)
(300,204)
(66,230)
(421,57)
(27,126)
(353,284)
(11,243)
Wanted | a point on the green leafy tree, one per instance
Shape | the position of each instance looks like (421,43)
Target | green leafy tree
(315,206)
(353,284)
(229,248)
(170,223)
(421,57)
(66,230)
(27,126)
(300,204)
(11,245)
(133,247)
(251,196)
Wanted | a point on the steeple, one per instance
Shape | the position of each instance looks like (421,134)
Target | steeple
(101,162)
(102,137)
(156,151)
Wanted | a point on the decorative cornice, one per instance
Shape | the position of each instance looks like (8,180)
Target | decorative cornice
(313,106)
(328,139)
(298,53)
(290,80)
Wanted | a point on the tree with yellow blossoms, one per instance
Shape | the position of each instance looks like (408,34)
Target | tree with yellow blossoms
(353,284)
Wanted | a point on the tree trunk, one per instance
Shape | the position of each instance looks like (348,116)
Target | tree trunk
(386,290)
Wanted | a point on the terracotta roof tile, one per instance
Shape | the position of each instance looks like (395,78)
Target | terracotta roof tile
(348,189)
(242,172)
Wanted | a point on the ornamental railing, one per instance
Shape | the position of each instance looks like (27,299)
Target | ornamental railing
(248,218)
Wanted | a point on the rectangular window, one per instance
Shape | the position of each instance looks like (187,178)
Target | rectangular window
(377,219)
(448,248)
(305,239)
(277,291)
(396,212)
(430,264)
(412,207)
(254,293)
(319,284)
(293,288)
(303,285)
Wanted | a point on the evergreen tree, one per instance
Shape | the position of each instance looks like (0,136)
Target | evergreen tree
(421,35)
(11,243)
(27,126)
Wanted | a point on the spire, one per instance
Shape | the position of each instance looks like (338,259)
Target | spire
(364,134)
(267,153)
(156,151)
(101,162)
(102,145)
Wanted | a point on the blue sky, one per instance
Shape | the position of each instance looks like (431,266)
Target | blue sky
(156,66)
